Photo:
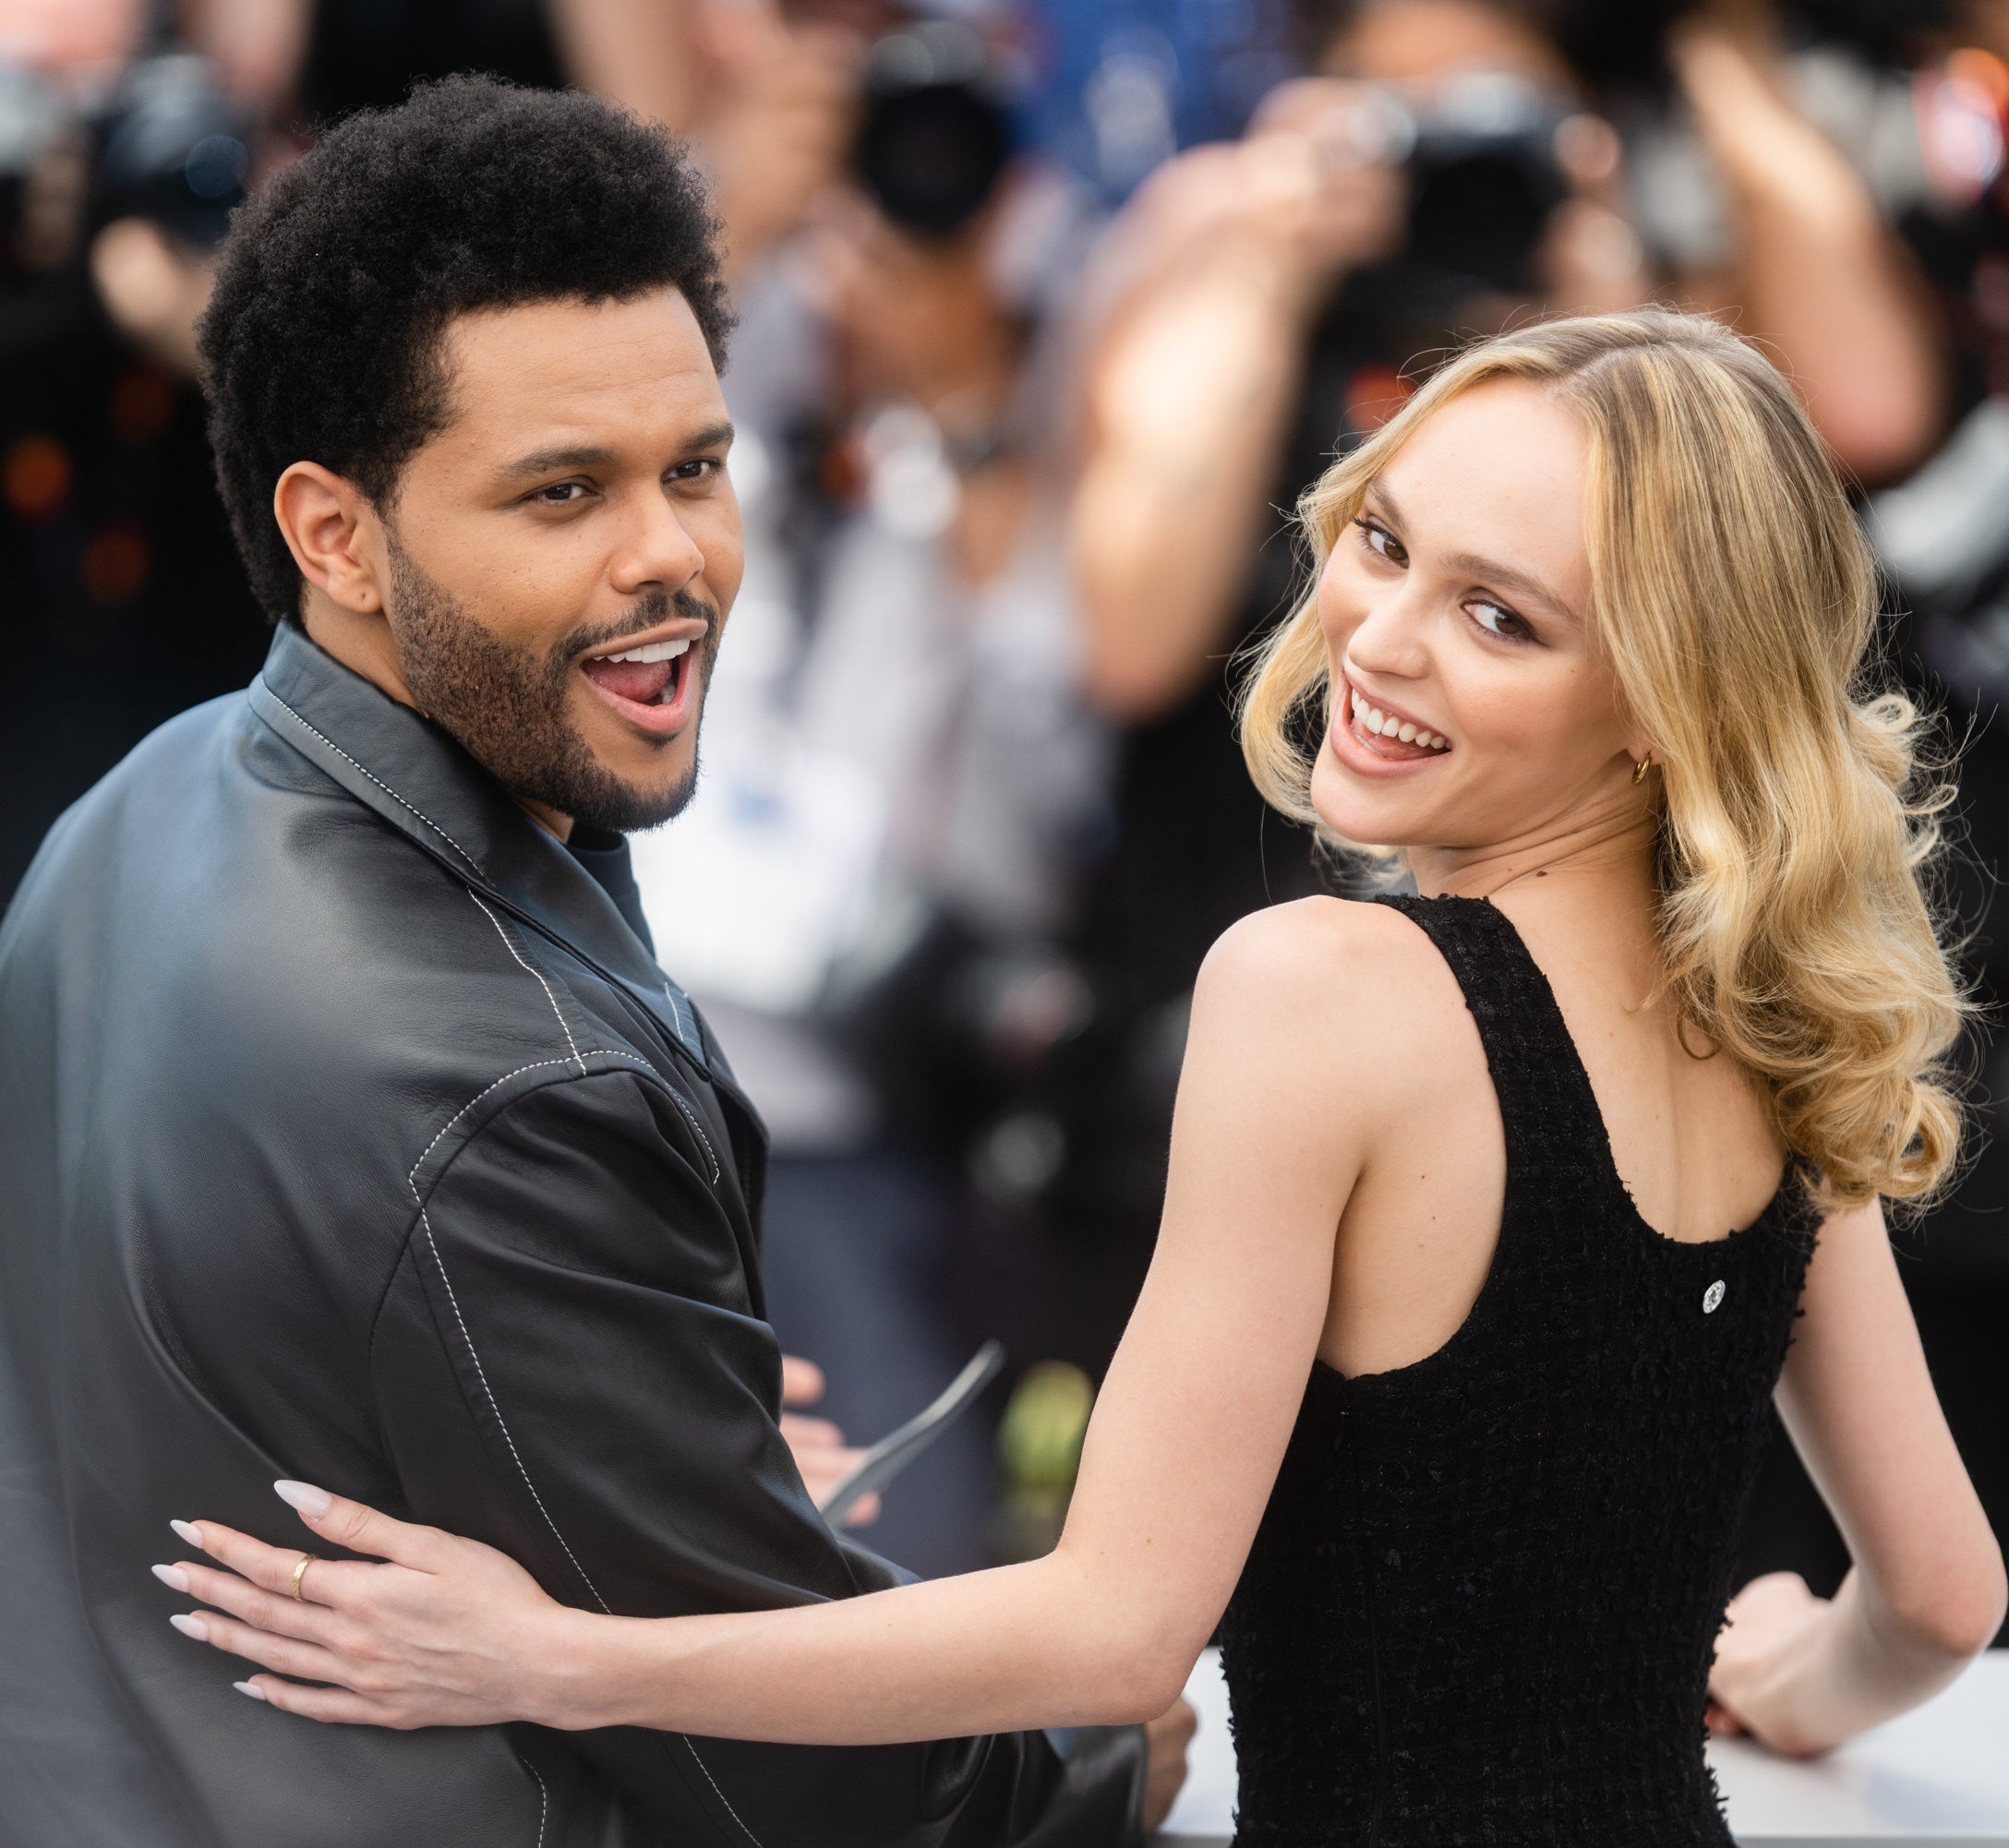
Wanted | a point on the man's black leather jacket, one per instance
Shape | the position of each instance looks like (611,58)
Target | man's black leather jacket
(348,1133)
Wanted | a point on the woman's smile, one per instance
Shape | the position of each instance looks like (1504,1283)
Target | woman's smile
(1376,738)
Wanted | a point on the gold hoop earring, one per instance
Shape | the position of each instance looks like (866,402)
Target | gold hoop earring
(1639,770)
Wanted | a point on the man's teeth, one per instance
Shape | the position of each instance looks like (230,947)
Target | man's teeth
(1386,724)
(656,651)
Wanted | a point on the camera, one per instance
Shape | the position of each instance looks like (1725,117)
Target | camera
(936,130)
(1484,178)
(171,148)
(164,145)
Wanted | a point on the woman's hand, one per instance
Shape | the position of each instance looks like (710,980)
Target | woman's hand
(448,1633)
(1770,1629)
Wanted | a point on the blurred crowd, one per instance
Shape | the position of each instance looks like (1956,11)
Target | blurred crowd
(1050,309)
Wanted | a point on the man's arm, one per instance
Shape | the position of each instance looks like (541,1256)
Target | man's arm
(567,1367)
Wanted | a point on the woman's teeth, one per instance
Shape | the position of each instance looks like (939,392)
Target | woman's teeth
(1370,717)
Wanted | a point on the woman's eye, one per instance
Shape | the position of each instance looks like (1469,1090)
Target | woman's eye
(1381,542)
(1496,619)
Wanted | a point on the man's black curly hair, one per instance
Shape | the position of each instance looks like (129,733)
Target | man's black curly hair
(323,341)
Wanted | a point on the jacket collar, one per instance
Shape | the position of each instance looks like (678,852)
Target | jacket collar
(418,778)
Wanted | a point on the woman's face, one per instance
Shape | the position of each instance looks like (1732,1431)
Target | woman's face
(1472,709)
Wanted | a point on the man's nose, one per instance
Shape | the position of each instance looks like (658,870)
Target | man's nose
(656,548)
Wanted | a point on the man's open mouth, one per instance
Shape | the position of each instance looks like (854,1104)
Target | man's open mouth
(649,676)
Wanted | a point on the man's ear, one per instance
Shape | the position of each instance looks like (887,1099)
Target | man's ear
(333,533)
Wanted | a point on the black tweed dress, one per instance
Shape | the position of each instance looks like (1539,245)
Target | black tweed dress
(1482,1603)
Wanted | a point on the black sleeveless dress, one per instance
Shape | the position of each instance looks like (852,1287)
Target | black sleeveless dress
(1483,1601)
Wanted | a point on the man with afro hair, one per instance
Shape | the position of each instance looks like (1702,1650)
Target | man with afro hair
(352,1135)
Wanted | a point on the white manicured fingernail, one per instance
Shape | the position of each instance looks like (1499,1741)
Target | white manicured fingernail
(173,1577)
(190,1626)
(245,1688)
(188,1530)
(304,1496)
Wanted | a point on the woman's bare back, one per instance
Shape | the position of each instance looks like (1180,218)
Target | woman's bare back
(1690,1136)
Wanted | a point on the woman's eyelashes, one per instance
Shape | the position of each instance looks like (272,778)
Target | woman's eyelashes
(1495,619)
(1379,541)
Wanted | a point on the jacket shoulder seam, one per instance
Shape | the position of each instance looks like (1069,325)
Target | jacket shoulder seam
(364,770)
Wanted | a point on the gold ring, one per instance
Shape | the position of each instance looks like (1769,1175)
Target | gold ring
(299,1572)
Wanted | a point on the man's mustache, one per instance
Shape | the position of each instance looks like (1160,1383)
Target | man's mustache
(649,610)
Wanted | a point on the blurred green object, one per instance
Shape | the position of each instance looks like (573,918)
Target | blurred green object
(1039,1445)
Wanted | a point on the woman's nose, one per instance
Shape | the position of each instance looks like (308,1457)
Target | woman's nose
(1390,637)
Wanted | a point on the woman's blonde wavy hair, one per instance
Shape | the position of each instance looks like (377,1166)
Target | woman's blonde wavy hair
(1736,599)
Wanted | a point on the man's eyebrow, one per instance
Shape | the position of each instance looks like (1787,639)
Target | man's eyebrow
(1489,570)
(716,436)
(551,461)
(564,456)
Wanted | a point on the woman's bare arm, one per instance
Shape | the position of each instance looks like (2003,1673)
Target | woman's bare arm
(1926,1591)
(1282,1099)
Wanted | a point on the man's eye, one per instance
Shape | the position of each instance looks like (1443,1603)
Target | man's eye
(699,470)
(560,494)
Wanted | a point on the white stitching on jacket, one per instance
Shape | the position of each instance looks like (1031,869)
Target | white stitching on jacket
(543,1800)
(720,1794)
(379,782)
(517,1456)
(533,974)
(697,1129)
(501,1425)
(535,1065)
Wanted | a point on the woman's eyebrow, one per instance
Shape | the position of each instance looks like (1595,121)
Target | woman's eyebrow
(1491,571)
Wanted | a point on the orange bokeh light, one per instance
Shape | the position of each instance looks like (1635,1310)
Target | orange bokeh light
(37,477)
(114,563)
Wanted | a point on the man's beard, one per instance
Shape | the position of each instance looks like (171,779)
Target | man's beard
(507,706)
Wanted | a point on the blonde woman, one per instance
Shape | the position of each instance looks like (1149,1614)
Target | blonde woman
(1493,1214)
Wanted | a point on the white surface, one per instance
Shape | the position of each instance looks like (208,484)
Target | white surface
(1938,1778)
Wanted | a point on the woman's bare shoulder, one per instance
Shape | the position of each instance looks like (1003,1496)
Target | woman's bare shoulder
(1317,959)
(1327,952)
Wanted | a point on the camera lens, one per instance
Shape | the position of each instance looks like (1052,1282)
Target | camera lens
(936,134)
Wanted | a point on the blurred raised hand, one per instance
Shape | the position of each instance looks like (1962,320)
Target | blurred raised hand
(1816,272)
(779,122)
(821,1454)
(1196,326)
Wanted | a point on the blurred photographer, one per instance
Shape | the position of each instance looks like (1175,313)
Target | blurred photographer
(1773,149)
(121,154)
(899,769)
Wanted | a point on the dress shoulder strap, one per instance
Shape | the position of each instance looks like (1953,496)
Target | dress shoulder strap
(1554,1133)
